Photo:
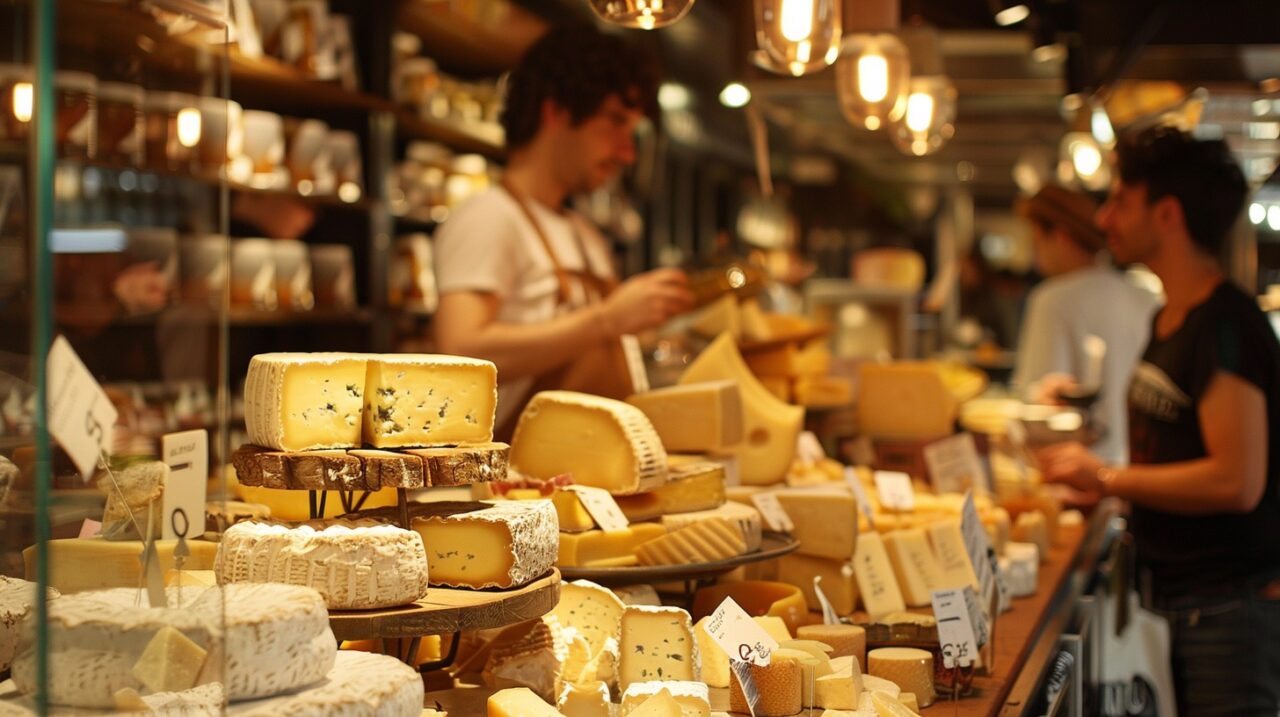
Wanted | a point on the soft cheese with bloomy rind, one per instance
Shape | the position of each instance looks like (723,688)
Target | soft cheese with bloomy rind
(262,640)
(303,402)
(657,644)
(499,545)
(599,441)
(428,400)
(360,565)
(592,610)
(17,598)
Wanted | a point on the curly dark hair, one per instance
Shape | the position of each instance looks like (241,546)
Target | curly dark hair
(1201,174)
(578,67)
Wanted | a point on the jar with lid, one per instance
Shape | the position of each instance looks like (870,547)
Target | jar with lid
(172,130)
(17,101)
(120,125)
(76,125)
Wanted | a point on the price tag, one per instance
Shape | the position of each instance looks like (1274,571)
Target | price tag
(981,554)
(187,455)
(809,448)
(829,616)
(954,465)
(602,507)
(81,417)
(895,490)
(958,615)
(859,493)
(635,363)
(739,636)
(771,510)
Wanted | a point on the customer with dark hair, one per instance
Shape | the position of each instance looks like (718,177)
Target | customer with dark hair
(524,281)
(1204,430)
(1082,295)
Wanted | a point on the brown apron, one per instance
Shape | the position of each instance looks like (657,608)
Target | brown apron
(600,369)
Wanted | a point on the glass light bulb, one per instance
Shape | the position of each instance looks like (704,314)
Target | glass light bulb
(1100,124)
(797,20)
(919,111)
(1012,15)
(1257,213)
(1273,217)
(873,77)
(1086,158)
(188,126)
(23,101)
(735,94)
(642,14)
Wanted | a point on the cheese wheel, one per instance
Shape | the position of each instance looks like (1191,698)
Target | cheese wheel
(907,667)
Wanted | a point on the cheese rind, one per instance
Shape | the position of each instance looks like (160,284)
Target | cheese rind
(501,545)
(745,517)
(907,667)
(17,598)
(530,655)
(599,548)
(689,488)
(779,684)
(876,582)
(600,442)
(845,640)
(657,644)
(303,402)
(694,418)
(914,565)
(354,565)
(428,400)
(702,542)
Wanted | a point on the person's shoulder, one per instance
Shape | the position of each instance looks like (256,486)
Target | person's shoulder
(489,212)
(1229,304)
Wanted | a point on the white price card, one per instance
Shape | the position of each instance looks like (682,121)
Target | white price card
(954,465)
(740,636)
(981,554)
(859,494)
(187,455)
(959,625)
(81,417)
(809,448)
(90,528)
(771,510)
(895,490)
(602,507)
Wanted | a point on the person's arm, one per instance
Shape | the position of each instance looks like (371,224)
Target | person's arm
(1044,351)
(466,324)
(1230,479)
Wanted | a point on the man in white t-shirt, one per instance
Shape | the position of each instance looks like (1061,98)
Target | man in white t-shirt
(1081,296)
(523,281)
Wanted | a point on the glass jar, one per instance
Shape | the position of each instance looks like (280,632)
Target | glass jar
(169,116)
(76,125)
(222,135)
(293,275)
(253,274)
(120,124)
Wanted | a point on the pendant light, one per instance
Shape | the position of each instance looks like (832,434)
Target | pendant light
(1082,156)
(874,66)
(797,36)
(929,119)
(642,14)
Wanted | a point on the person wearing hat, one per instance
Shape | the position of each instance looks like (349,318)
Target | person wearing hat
(1082,295)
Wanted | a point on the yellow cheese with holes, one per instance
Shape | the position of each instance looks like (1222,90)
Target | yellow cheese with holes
(689,487)
(824,520)
(702,542)
(694,418)
(953,558)
(876,582)
(598,441)
(303,402)
(712,660)
(171,662)
(909,668)
(771,425)
(77,564)
(915,566)
(429,400)
(502,545)
(519,702)
(657,644)
(598,548)
(838,582)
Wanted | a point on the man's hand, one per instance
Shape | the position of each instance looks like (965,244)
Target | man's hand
(646,301)
(1048,389)
(1071,464)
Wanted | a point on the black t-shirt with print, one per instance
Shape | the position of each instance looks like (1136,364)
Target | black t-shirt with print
(1189,555)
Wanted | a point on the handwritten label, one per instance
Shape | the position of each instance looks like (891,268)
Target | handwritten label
(958,615)
(895,490)
(635,363)
(740,636)
(859,494)
(954,465)
(981,554)
(771,510)
(829,616)
(81,417)
(603,508)
(187,455)
(809,448)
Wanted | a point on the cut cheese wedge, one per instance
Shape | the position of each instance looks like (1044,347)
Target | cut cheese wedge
(703,542)
(598,548)
(693,698)
(695,418)
(689,487)
(657,644)
(302,402)
(887,706)
(503,545)
(771,425)
(519,702)
(428,400)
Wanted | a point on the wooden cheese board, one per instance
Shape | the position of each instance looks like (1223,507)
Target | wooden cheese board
(367,470)
(773,545)
(449,610)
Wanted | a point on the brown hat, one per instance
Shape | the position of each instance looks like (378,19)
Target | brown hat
(1061,207)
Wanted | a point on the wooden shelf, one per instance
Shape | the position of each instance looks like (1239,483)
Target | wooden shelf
(448,610)
(486,45)
(480,137)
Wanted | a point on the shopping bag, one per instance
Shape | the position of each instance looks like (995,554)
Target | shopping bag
(1136,676)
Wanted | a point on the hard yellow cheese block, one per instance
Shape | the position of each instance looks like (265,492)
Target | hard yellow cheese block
(77,564)
(837,691)
(904,399)
(876,582)
(598,548)
(823,391)
(692,698)
(573,517)
(838,582)
(589,699)
(429,400)
(598,441)
(953,557)
(519,702)
(791,360)
(824,520)
(695,418)
(190,578)
(771,425)
(691,487)
(503,545)
(657,644)
(171,662)
(703,542)
(662,704)
(915,566)
(713,661)
(907,667)
(302,402)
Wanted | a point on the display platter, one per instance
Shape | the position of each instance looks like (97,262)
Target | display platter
(774,545)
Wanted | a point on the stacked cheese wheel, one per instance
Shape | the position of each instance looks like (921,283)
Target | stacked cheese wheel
(357,421)
(265,649)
